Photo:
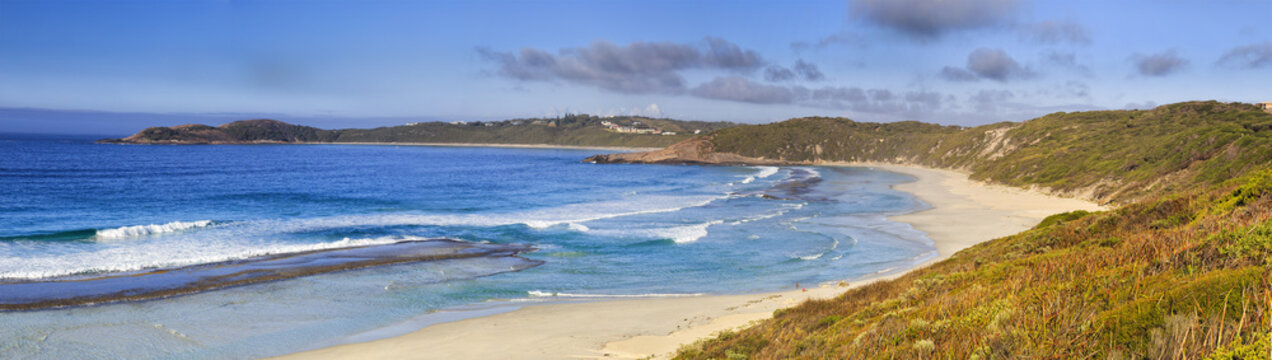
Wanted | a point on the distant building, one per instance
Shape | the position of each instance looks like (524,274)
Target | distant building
(1266,106)
(413,124)
(669,133)
(552,124)
(696,132)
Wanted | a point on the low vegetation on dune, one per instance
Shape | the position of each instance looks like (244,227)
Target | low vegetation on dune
(1182,269)
(1117,156)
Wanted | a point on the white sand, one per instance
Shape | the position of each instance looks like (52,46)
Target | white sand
(963,214)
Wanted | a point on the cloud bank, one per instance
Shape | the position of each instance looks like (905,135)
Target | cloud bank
(1159,64)
(802,70)
(986,63)
(1249,56)
(928,19)
(736,88)
(1056,32)
(639,67)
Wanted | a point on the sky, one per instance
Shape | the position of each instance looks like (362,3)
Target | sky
(106,66)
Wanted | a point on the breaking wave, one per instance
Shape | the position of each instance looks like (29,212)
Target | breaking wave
(150,256)
(688,233)
(152,229)
(764,171)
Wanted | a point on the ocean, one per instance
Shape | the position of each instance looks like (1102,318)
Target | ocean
(532,225)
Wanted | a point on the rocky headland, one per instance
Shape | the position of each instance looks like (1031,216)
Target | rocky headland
(695,151)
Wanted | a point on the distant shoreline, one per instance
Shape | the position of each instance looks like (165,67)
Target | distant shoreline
(494,145)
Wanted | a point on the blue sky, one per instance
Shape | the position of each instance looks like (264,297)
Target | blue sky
(113,66)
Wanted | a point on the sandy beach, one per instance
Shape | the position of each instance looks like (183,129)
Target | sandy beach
(963,213)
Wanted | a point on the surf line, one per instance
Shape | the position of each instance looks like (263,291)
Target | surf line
(190,279)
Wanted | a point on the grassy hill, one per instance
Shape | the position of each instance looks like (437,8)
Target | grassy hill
(574,130)
(1182,270)
(1115,156)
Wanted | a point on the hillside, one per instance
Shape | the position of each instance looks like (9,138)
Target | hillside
(1182,276)
(573,130)
(1107,156)
(1180,270)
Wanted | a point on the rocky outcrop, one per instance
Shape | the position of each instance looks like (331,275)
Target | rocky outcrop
(698,150)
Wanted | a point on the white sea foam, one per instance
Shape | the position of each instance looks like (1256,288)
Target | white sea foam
(813,257)
(766,171)
(833,245)
(688,233)
(152,229)
(537,293)
(570,214)
(158,255)
(536,218)
(812,173)
(679,234)
(243,239)
(786,209)
(763,172)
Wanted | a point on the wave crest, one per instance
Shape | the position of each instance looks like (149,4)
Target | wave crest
(134,259)
(152,229)
(688,233)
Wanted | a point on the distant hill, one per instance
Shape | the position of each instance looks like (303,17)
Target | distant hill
(1116,156)
(571,130)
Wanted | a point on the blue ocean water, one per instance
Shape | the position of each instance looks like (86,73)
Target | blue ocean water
(70,207)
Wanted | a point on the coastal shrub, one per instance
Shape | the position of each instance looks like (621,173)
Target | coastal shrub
(829,320)
(1061,218)
(1257,186)
(1254,243)
(1258,346)
(924,346)
(1219,292)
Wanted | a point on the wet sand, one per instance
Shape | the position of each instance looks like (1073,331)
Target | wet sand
(963,213)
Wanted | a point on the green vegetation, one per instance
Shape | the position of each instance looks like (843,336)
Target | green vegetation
(575,130)
(1061,290)
(1115,156)
(1182,270)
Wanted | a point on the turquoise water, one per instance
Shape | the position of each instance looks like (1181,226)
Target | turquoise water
(74,208)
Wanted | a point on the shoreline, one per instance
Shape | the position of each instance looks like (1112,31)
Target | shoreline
(962,213)
(492,145)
